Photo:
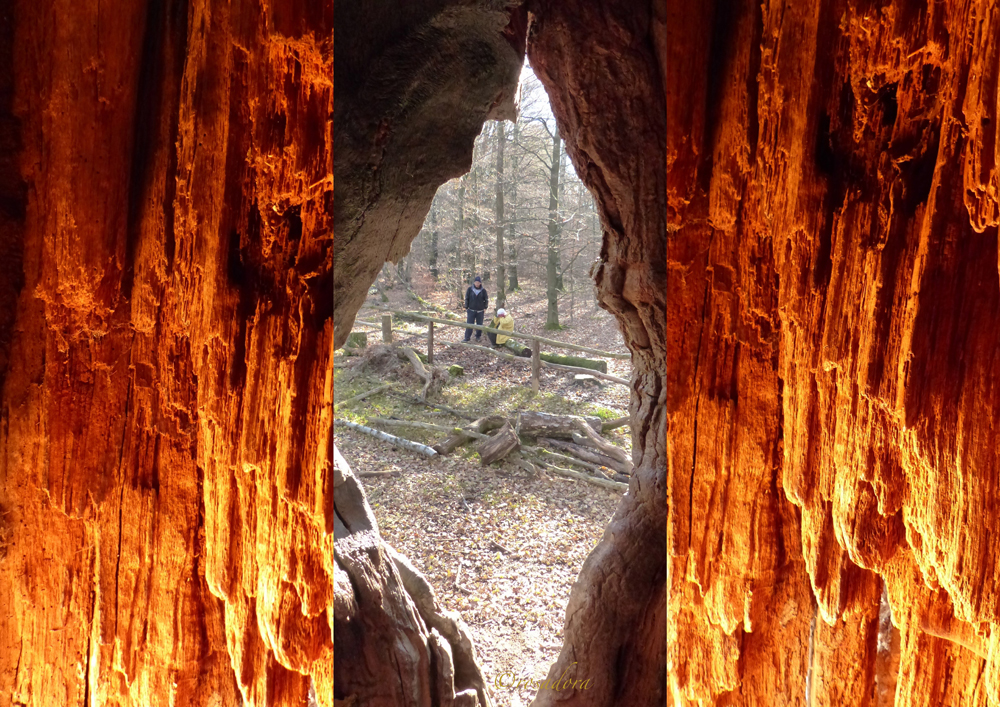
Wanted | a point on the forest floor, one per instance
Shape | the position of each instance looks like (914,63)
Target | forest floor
(449,514)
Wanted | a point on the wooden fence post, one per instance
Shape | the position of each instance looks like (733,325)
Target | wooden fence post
(386,328)
(430,342)
(536,365)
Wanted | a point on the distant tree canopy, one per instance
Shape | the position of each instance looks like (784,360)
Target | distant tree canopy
(520,214)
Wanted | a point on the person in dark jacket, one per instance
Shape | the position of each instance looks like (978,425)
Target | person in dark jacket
(476,302)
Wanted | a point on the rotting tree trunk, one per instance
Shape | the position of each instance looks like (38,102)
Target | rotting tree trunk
(166,486)
(543,424)
(498,445)
(615,631)
(833,386)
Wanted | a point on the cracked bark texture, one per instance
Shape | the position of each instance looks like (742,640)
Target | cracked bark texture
(408,108)
(833,379)
(602,64)
(166,337)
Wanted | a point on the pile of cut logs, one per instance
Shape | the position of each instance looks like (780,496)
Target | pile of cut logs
(532,440)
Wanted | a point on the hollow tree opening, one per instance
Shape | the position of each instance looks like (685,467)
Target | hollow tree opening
(418,84)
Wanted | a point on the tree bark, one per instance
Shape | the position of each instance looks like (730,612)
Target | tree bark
(384,604)
(498,445)
(165,463)
(834,306)
(501,297)
(615,134)
(544,424)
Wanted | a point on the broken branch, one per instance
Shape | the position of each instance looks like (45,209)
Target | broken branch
(392,439)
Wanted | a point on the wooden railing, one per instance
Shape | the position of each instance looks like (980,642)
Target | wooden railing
(536,363)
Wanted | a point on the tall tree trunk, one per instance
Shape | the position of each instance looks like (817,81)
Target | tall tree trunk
(472,239)
(561,205)
(552,252)
(511,238)
(499,220)
(432,261)
(460,241)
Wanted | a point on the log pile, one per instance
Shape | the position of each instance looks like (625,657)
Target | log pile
(498,438)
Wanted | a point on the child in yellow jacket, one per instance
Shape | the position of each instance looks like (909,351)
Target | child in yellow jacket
(501,321)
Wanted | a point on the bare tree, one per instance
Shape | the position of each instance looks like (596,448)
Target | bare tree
(498,216)
(433,259)
(512,259)
(551,263)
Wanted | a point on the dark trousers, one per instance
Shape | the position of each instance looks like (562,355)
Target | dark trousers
(474,317)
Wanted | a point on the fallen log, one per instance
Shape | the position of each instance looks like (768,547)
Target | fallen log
(596,374)
(526,465)
(498,445)
(589,454)
(461,436)
(543,424)
(363,395)
(384,422)
(545,453)
(386,437)
(576,361)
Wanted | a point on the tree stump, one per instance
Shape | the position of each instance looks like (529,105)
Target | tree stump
(456,370)
(387,328)
(357,340)
(499,445)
